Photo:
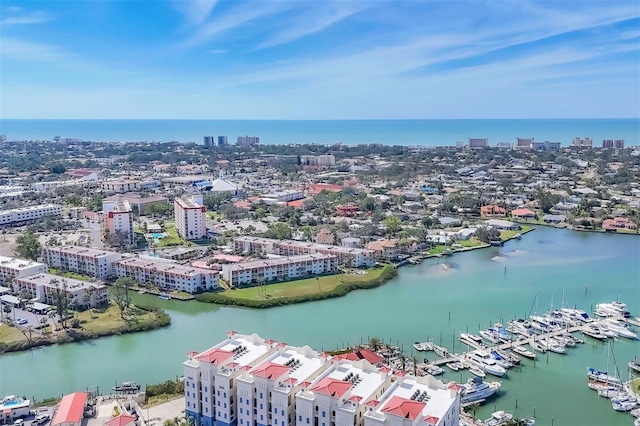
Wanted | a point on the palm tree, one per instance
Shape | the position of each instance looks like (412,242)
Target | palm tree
(375,344)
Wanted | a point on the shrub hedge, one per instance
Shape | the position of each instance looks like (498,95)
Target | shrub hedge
(340,290)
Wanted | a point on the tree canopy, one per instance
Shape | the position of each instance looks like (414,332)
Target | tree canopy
(28,246)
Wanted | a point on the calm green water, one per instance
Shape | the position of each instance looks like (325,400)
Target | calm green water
(426,301)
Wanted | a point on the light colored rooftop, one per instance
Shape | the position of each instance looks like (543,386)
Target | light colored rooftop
(302,362)
(359,378)
(164,266)
(31,208)
(12,401)
(292,243)
(18,264)
(46,279)
(80,251)
(276,261)
(252,347)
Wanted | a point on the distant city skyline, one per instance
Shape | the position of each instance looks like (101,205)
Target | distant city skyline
(208,59)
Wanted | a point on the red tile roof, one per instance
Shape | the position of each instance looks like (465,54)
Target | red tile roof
(332,387)
(454,386)
(357,355)
(121,420)
(402,407)
(522,212)
(71,409)
(215,356)
(431,420)
(270,370)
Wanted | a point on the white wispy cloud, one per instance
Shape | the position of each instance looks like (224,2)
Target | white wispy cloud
(19,17)
(196,11)
(22,50)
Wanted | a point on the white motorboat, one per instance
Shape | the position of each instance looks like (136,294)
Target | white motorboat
(635,413)
(435,370)
(455,365)
(563,318)
(498,418)
(441,352)
(536,346)
(634,365)
(553,345)
(489,335)
(473,369)
(471,340)
(620,327)
(613,309)
(520,327)
(424,346)
(477,389)
(594,332)
(578,315)
(609,391)
(521,350)
(486,363)
(624,404)
(501,360)
(636,422)
(511,357)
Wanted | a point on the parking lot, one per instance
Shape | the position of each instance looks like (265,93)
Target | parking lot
(37,413)
(28,318)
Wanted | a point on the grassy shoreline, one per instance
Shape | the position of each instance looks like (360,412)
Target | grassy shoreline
(93,325)
(298,291)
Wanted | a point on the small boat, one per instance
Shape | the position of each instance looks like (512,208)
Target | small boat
(435,370)
(636,422)
(498,418)
(142,291)
(635,413)
(521,350)
(624,404)
(477,389)
(521,327)
(552,345)
(164,296)
(594,332)
(609,391)
(471,340)
(602,376)
(501,360)
(489,336)
(536,346)
(441,352)
(512,358)
(620,327)
(577,315)
(634,366)
(455,365)
(127,387)
(485,362)
(476,371)
(424,346)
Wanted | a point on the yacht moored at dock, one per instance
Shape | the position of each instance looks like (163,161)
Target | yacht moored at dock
(477,389)
(484,361)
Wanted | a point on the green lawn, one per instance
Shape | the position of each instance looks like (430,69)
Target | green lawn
(10,334)
(473,242)
(68,274)
(215,215)
(171,239)
(109,319)
(301,287)
(505,235)
(635,385)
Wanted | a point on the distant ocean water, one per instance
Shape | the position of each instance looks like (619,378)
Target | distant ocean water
(389,132)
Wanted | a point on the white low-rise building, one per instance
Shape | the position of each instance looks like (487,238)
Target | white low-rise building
(167,275)
(45,288)
(416,401)
(279,269)
(354,257)
(14,407)
(24,215)
(11,268)
(87,261)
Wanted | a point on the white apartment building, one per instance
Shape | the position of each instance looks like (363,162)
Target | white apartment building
(210,378)
(87,261)
(118,217)
(121,185)
(325,160)
(279,269)
(11,268)
(189,214)
(266,392)
(354,257)
(28,214)
(582,143)
(285,196)
(43,288)
(249,381)
(167,275)
(416,401)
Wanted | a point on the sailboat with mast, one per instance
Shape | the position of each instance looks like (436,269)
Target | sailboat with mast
(602,380)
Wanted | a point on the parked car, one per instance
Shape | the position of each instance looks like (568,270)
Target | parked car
(18,422)
(21,321)
(41,419)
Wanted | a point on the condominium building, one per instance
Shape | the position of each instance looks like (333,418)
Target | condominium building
(279,269)
(353,257)
(189,214)
(416,401)
(613,143)
(118,218)
(44,288)
(87,261)
(524,143)
(166,275)
(478,142)
(209,141)
(222,141)
(326,160)
(121,185)
(24,215)
(582,143)
(210,378)
(265,392)
(247,140)
(11,268)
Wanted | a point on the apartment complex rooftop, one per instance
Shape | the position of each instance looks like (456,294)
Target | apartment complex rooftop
(163,266)
(302,244)
(80,251)
(18,264)
(300,364)
(277,261)
(31,208)
(238,350)
(188,203)
(46,279)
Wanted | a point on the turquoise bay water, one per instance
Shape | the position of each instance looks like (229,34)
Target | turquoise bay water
(390,132)
(425,301)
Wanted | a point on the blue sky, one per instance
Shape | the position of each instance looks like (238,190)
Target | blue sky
(303,59)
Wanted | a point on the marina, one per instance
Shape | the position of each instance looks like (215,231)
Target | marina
(424,303)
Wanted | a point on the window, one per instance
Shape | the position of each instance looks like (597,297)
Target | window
(240,400)
(307,420)
(188,393)
(261,406)
(188,404)
(225,405)
(299,418)
(324,414)
(206,399)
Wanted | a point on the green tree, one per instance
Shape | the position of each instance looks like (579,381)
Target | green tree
(28,246)
(375,344)
(120,294)
(486,234)
(393,224)
(61,300)
(279,231)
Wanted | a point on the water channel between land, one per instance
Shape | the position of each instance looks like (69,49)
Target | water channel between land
(435,300)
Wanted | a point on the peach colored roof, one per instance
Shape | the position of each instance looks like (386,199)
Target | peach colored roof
(215,356)
(332,387)
(121,420)
(402,407)
(270,370)
(71,408)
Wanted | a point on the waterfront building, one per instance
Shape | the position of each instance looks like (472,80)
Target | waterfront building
(11,267)
(222,141)
(266,392)
(70,411)
(492,210)
(118,218)
(475,143)
(209,140)
(189,214)
(340,395)
(523,213)
(524,143)
(43,288)
(504,145)
(612,225)
(247,140)
(25,215)
(279,269)
(14,407)
(385,249)
(210,378)
(613,143)
(416,401)
(86,261)
(326,160)
(166,275)
(503,224)
(355,257)
(582,143)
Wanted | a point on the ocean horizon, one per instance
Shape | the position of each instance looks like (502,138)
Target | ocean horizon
(424,132)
